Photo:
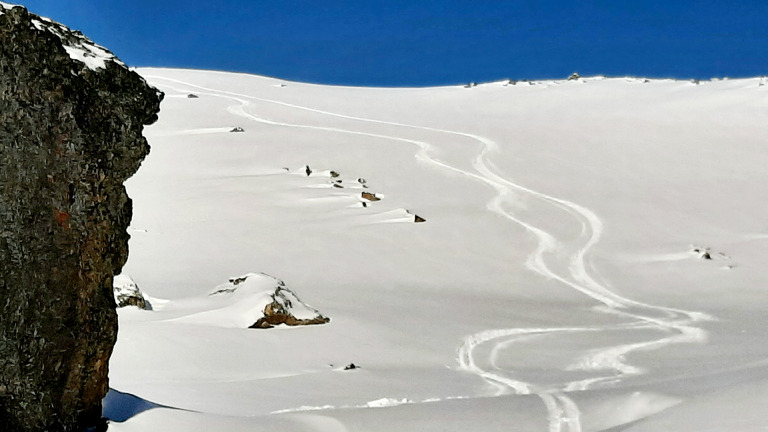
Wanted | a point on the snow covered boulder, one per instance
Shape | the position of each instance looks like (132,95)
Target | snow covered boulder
(127,293)
(257,300)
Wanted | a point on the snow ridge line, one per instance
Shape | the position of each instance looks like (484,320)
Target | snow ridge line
(562,411)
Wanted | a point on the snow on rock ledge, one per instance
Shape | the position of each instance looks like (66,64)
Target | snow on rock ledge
(77,45)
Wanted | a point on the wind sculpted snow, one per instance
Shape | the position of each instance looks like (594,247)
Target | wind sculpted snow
(538,296)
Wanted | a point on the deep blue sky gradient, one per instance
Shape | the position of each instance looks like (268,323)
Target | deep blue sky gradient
(421,43)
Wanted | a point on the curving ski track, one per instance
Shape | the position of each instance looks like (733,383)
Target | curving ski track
(563,413)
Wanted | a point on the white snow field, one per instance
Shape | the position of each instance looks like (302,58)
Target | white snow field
(593,257)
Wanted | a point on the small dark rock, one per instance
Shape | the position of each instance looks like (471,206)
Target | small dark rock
(370,196)
(238,129)
(192,96)
(238,280)
(574,76)
(351,366)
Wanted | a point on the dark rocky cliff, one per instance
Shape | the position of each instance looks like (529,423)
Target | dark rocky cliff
(71,121)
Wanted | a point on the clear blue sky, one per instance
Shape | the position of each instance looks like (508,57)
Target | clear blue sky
(419,43)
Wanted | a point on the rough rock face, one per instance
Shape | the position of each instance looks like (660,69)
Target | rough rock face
(71,120)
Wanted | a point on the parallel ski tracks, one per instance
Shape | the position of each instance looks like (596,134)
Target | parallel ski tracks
(677,325)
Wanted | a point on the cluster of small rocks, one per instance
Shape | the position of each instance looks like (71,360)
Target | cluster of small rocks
(366,196)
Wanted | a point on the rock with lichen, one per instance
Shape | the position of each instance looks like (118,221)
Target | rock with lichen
(71,121)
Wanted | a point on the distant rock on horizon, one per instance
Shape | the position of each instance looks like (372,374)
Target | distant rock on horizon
(72,117)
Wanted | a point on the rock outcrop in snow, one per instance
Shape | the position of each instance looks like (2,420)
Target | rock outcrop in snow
(127,293)
(72,117)
(261,301)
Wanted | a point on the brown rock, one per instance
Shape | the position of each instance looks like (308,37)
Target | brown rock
(275,314)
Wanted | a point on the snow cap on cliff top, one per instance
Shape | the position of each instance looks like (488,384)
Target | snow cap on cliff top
(78,46)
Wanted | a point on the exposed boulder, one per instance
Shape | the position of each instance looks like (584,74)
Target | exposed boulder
(127,293)
(283,310)
(262,301)
(71,122)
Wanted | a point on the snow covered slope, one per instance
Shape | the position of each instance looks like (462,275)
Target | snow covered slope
(557,283)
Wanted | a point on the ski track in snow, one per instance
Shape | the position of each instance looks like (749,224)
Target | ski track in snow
(563,413)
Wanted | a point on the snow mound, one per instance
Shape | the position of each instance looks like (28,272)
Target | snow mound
(255,300)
